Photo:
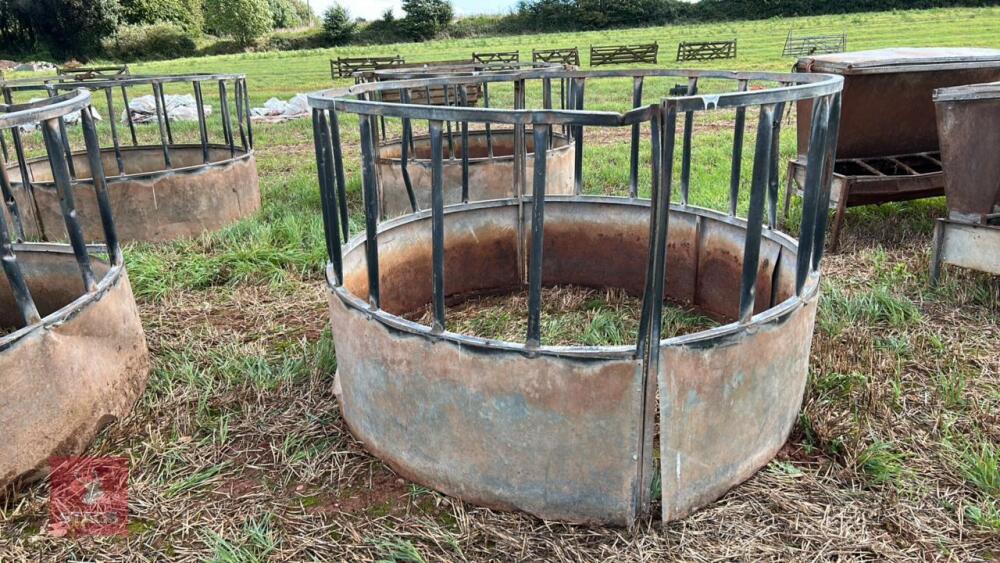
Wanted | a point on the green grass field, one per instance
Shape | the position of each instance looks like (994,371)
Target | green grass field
(238,451)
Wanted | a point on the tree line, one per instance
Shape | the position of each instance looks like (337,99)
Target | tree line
(143,29)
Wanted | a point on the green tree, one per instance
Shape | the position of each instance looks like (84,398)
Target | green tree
(67,28)
(243,20)
(186,14)
(425,18)
(338,25)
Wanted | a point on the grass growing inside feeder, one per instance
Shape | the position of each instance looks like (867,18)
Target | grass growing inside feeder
(571,315)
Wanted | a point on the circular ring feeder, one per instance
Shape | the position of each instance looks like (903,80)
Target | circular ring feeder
(179,159)
(73,355)
(566,432)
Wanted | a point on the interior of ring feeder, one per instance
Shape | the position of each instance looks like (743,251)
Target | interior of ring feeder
(150,201)
(490,177)
(65,378)
(566,432)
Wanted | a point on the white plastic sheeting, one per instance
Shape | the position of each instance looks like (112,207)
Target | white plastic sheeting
(276,110)
(179,108)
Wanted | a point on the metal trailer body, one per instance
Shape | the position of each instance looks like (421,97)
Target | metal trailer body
(888,148)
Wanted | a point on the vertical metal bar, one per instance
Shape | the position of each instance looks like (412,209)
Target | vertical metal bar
(239,113)
(451,140)
(10,203)
(658,244)
(437,225)
(547,99)
(114,132)
(3,146)
(655,155)
(199,101)
(578,139)
(22,161)
(541,139)
(810,199)
(489,128)
(520,172)
(370,190)
(830,155)
(737,164)
(246,115)
(328,197)
(93,145)
(160,118)
(65,137)
(166,115)
(227,123)
(773,174)
(686,151)
(128,117)
(64,184)
(18,285)
(755,216)
(653,299)
(338,166)
(633,185)
(464,100)
(404,96)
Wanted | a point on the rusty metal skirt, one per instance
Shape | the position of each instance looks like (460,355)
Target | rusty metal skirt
(79,369)
(151,203)
(558,431)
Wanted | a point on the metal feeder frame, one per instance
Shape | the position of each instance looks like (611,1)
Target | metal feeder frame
(158,191)
(968,120)
(888,149)
(566,432)
(76,358)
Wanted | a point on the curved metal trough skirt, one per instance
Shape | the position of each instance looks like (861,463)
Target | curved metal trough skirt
(558,431)
(150,202)
(491,169)
(81,368)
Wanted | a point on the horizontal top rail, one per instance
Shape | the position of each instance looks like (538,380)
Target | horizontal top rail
(801,86)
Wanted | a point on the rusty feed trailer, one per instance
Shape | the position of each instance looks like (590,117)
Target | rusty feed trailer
(566,432)
(969,128)
(73,354)
(177,166)
(888,147)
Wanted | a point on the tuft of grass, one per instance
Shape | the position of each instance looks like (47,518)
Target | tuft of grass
(882,465)
(393,549)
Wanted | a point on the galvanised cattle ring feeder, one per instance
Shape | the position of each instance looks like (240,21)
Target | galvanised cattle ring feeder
(479,164)
(567,432)
(167,179)
(72,351)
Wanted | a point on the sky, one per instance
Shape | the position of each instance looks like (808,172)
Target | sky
(373,9)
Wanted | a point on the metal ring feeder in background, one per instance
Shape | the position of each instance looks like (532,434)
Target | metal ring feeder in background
(167,179)
(73,354)
(567,432)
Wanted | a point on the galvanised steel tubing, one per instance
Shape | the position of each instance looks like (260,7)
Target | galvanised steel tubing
(833,137)
(818,151)
(119,159)
(161,116)
(370,191)
(463,99)
(755,216)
